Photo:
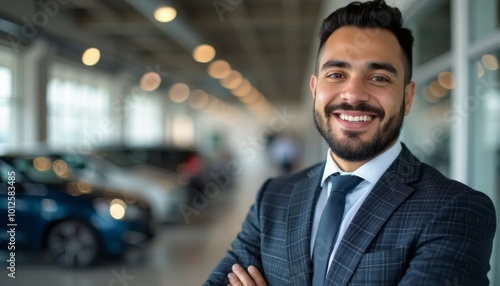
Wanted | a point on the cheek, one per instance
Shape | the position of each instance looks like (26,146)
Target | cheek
(391,104)
(318,99)
(322,98)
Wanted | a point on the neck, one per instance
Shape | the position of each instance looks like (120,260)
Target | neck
(347,166)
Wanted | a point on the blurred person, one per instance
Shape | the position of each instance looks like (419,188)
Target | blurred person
(401,222)
(284,152)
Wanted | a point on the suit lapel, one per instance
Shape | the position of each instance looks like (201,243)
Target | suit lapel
(390,191)
(304,193)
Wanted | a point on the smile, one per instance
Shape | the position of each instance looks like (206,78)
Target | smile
(350,118)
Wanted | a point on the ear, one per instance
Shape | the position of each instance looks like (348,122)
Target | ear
(312,85)
(409,93)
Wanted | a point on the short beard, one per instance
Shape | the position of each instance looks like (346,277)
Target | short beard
(353,149)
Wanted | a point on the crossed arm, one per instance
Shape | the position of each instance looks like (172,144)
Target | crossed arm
(454,246)
(245,251)
(249,277)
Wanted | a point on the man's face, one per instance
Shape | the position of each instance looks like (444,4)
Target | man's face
(359,94)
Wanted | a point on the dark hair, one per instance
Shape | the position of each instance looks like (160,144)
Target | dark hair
(371,14)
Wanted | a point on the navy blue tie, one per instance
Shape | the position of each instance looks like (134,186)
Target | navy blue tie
(329,224)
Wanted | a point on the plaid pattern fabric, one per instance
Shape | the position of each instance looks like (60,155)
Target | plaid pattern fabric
(416,227)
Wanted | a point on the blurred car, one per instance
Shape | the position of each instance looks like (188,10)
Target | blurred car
(165,194)
(75,221)
(186,163)
(163,191)
(190,167)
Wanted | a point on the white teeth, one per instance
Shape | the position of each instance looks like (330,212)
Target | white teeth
(355,118)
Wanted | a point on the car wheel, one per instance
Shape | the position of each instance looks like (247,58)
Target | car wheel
(73,243)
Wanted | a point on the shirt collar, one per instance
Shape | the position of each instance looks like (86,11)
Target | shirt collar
(371,171)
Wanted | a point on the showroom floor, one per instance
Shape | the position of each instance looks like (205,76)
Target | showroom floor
(182,254)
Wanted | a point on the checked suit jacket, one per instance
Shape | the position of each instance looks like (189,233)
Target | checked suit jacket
(416,227)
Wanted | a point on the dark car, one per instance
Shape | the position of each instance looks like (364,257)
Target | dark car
(195,170)
(41,208)
(187,163)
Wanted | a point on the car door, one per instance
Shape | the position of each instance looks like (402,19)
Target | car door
(20,221)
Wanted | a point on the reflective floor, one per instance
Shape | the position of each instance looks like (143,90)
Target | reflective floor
(183,254)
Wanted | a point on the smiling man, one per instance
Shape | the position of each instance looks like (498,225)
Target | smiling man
(372,213)
(360,94)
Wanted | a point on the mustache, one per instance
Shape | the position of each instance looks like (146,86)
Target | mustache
(361,107)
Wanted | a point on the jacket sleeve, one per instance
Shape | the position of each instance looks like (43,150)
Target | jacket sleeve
(245,248)
(455,246)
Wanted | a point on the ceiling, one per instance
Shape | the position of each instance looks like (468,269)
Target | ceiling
(268,41)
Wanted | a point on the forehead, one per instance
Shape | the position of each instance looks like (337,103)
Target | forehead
(354,44)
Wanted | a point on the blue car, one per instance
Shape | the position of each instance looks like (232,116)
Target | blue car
(41,208)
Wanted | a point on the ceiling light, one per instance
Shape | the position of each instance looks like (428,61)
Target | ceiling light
(446,80)
(437,90)
(219,69)
(490,62)
(179,92)
(84,186)
(243,89)
(204,53)
(198,99)
(429,96)
(42,164)
(150,81)
(165,14)
(232,81)
(258,107)
(91,56)
(61,168)
(252,97)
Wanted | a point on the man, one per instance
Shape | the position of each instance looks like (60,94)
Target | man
(404,223)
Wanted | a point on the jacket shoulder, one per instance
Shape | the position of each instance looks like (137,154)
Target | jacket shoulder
(282,186)
(423,176)
(307,173)
(430,183)
(433,177)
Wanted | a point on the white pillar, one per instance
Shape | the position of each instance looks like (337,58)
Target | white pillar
(33,93)
(459,161)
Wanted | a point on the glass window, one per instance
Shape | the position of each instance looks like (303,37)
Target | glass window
(427,128)
(5,82)
(485,17)
(4,124)
(484,106)
(7,65)
(182,131)
(143,118)
(78,103)
(433,33)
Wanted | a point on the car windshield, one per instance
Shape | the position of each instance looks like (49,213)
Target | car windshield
(42,169)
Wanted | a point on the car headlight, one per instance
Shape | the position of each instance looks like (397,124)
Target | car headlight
(118,209)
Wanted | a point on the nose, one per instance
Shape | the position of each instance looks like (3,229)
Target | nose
(355,90)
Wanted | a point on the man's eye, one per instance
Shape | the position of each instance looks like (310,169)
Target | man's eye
(335,75)
(380,79)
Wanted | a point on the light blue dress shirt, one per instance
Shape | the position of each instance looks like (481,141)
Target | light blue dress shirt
(371,172)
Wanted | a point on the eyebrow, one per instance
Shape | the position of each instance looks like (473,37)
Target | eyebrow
(335,64)
(383,66)
(371,65)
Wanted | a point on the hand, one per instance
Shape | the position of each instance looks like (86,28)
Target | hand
(240,277)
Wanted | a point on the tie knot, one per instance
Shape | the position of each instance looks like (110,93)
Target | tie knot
(344,184)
